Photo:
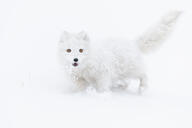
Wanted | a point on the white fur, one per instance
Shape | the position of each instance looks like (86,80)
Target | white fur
(155,36)
(104,66)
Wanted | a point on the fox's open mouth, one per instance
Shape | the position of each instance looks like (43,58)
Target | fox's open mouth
(75,64)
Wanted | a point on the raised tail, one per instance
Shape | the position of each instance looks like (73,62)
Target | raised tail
(154,37)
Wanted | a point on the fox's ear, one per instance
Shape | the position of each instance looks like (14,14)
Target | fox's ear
(65,35)
(83,35)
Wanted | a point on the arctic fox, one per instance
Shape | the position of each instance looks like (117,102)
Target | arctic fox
(102,67)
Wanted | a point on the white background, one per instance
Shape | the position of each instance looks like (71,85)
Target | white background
(31,84)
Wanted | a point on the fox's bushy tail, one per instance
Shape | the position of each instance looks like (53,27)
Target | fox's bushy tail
(154,37)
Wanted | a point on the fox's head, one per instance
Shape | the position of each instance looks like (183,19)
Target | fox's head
(73,49)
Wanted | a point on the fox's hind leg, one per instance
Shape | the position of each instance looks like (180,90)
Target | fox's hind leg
(143,82)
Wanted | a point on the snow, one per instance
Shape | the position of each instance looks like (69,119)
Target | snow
(32,83)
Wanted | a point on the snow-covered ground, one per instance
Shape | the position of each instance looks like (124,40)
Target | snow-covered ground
(32,84)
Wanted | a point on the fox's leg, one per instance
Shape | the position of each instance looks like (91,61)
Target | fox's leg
(123,84)
(143,82)
(142,77)
(79,85)
(103,84)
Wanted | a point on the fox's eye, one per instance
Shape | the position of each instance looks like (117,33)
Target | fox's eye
(68,50)
(81,50)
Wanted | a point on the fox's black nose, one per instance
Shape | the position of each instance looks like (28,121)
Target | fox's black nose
(75,59)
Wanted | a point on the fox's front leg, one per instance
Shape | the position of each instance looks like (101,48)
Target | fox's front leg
(79,84)
(103,84)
